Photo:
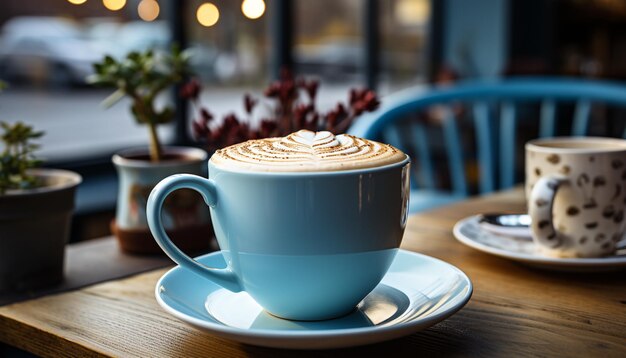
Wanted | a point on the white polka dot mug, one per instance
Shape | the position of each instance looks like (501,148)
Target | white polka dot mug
(576,191)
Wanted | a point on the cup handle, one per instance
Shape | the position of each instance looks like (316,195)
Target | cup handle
(206,187)
(540,210)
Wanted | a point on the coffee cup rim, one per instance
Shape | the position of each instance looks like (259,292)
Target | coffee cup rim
(559,145)
(405,161)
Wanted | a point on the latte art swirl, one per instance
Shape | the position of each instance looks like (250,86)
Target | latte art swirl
(306,151)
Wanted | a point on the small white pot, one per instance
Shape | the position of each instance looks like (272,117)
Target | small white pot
(184,215)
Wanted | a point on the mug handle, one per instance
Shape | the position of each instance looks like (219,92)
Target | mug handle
(540,210)
(224,277)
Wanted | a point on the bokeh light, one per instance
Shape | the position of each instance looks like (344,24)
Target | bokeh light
(114,5)
(253,9)
(77,2)
(207,14)
(412,12)
(148,10)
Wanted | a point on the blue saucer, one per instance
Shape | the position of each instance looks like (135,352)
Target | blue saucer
(417,292)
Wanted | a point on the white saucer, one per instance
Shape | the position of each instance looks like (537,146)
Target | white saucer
(417,292)
(521,249)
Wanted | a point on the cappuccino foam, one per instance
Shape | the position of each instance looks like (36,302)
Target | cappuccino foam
(306,151)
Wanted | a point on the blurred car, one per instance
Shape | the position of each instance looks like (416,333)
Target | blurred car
(118,39)
(338,59)
(141,36)
(46,50)
(335,59)
(103,32)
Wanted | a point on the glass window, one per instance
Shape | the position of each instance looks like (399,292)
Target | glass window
(328,44)
(46,51)
(231,51)
(403,35)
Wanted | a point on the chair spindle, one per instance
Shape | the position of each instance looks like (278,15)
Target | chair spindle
(508,126)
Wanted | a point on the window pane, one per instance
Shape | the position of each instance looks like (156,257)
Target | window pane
(329,45)
(47,49)
(404,26)
(232,55)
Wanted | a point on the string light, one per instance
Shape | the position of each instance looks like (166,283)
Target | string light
(148,10)
(77,2)
(207,14)
(253,9)
(114,5)
(412,12)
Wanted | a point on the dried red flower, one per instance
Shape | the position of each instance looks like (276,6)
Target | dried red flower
(191,89)
(199,129)
(290,112)
(249,103)
(311,87)
(205,115)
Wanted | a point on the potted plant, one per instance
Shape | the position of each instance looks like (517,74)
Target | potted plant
(141,77)
(290,105)
(36,207)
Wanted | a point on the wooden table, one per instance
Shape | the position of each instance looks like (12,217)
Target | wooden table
(515,310)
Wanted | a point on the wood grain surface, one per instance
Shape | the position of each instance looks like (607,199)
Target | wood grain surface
(90,262)
(515,310)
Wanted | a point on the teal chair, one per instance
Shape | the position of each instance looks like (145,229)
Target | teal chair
(492,112)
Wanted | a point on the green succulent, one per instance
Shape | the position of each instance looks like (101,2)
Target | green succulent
(142,76)
(18,156)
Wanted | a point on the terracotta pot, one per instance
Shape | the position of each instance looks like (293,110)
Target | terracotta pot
(186,215)
(34,229)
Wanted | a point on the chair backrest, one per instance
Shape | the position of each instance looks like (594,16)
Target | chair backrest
(494,110)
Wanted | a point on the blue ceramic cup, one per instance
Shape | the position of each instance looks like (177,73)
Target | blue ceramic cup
(304,245)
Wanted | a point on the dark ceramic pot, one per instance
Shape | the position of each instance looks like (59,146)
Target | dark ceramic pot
(34,229)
